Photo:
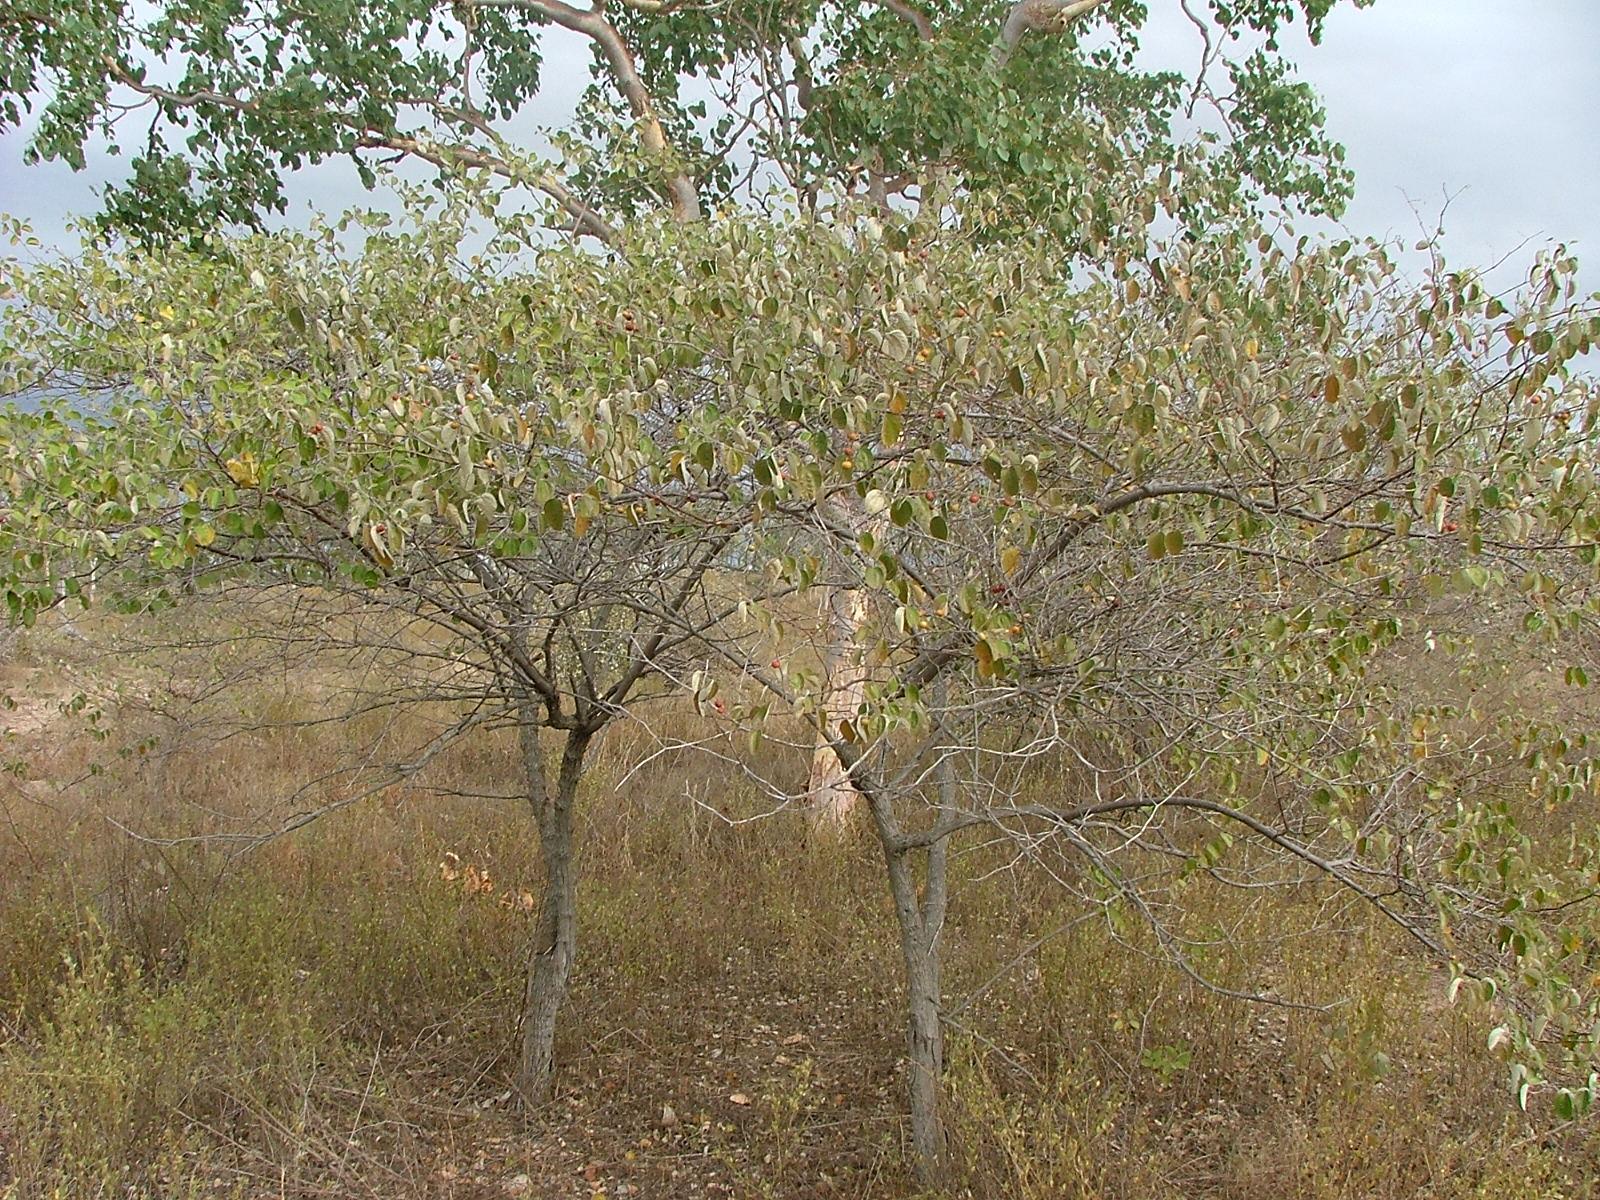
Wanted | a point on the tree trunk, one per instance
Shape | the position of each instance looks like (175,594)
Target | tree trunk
(830,794)
(925,1054)
(921,929)
(555,944)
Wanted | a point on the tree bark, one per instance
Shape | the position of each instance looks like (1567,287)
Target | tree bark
(921,929)
(831,795)
(555,943)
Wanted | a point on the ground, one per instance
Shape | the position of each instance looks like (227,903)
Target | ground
(333,1015)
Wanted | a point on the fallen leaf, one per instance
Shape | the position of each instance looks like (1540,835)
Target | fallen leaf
(739,1098)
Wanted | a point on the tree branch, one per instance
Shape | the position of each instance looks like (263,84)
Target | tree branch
(1037,16)
(593,25)
(908,12)
(585,220)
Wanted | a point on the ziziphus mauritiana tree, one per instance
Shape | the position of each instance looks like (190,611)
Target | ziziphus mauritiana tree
(693,108)
(1163,513)
(514,492)
(1143,541)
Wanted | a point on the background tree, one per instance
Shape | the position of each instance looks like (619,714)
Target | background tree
(692,105)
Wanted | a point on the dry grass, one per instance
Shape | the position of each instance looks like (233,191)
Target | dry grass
(330,1016)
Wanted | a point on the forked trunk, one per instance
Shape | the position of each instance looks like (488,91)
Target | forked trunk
(555,944)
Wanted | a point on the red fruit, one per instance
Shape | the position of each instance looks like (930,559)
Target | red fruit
(1451,527)
(974,498)
(777,664)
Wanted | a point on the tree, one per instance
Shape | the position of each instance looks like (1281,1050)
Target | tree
(1146,541)
(692,105)
(1160,516)
(520,502)
(1033,103)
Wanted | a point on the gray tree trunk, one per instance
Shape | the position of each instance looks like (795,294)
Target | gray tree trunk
(555,944)
(921,931)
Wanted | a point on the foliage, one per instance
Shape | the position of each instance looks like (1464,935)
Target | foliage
(1174,511)
(693,105)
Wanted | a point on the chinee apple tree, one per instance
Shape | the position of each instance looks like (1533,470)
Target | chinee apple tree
(1140,549)
(1134,534)
(512,490)
(693,109)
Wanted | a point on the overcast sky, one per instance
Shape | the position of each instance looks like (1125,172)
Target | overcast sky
(1493,104)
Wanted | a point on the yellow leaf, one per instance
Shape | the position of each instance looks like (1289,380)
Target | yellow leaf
(377,547)
(1010,560)
(1330,389)
(244,470)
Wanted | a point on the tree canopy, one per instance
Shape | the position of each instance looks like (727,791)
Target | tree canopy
(692,105)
